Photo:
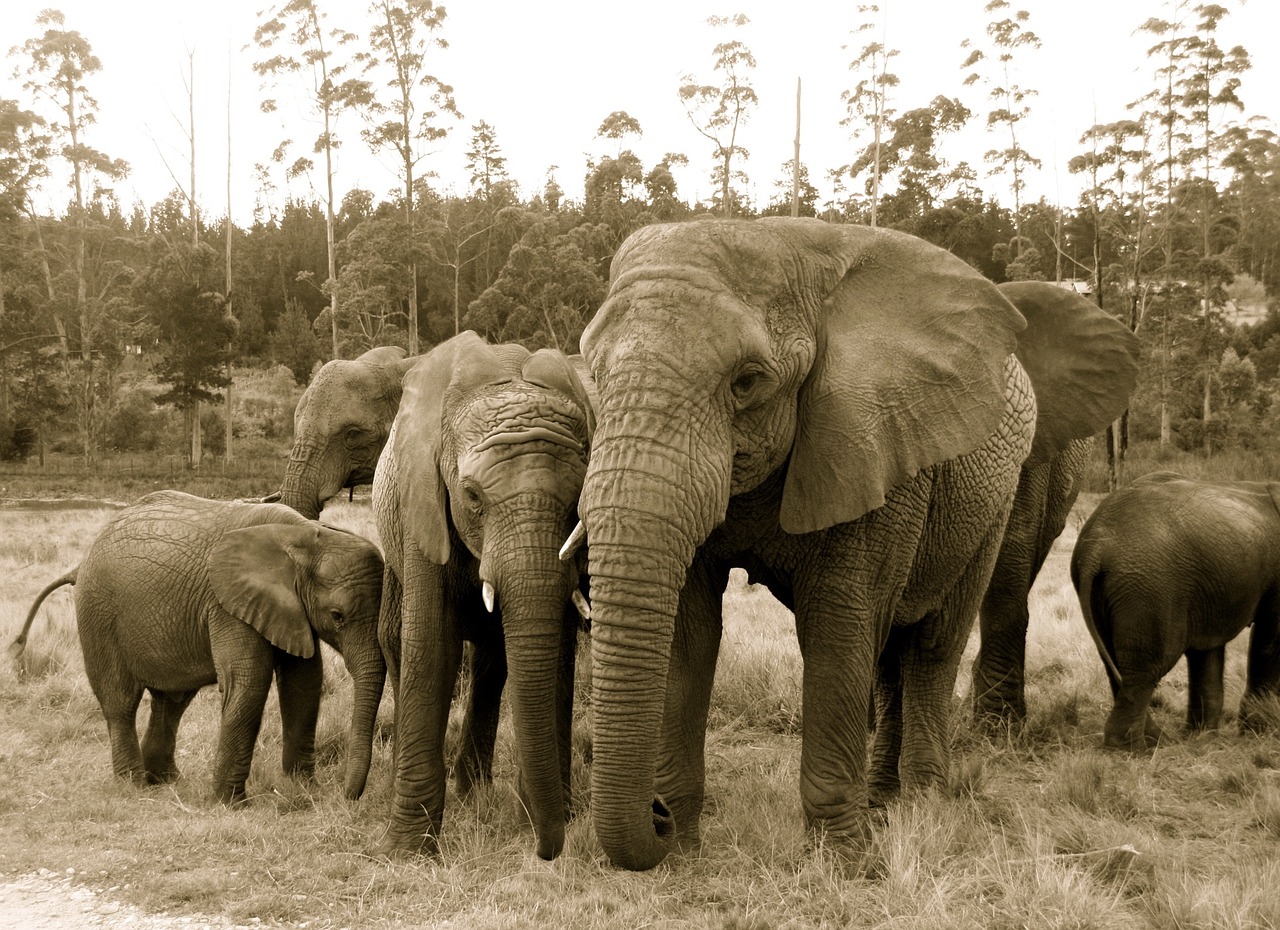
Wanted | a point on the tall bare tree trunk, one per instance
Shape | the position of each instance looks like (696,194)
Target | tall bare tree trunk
(795,160)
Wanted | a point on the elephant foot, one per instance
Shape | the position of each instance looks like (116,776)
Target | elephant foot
(399,847)
(163,776)
(232,795)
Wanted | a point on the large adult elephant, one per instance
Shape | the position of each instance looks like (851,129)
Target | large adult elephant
(179,592)
(476,489)
(838,409)
(1172,566)
(1078,391)
(340,426)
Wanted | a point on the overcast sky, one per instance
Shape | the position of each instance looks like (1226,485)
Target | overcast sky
(545,75)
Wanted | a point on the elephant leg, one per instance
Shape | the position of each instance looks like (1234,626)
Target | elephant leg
(473,764)
(1130,726)
(1204,687)
(1263,680)
(886,712)
(245,686)
(160,741)
(430,653)
(680,778)
(298,686)
(121,713)
(389,613)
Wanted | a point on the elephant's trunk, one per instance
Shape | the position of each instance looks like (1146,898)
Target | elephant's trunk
(533,590)
(368,673)
(653,493)
(310,478)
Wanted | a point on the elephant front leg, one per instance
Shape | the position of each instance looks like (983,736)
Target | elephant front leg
(298,686)
(680,778)
(244,685)
(488,676)
(160,742)
(430,653)
(1262,685)
(883,782)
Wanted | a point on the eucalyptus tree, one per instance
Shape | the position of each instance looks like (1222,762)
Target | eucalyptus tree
(58,65)
(298,42)
(718,112)
(401,42)
(1007,35)
(867,103)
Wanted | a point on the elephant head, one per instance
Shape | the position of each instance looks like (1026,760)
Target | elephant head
(294,582)
(833,361)
(340,426)
(489,451)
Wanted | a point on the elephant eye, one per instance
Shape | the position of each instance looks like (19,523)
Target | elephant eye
(353,436)
(337,616)
(748,386)
(471,494)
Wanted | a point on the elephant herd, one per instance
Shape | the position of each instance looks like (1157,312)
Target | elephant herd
(885,439)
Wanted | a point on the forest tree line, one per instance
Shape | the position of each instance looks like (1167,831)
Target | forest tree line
(1177,229)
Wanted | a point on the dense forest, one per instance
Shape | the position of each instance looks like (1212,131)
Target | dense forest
(124,328)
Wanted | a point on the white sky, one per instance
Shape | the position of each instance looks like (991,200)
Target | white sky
(546,74)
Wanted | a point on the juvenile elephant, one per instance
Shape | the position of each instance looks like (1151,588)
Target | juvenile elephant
(1172,566)
(840,411)
(1083,366)
(179,592)
(340,426)
(476,489)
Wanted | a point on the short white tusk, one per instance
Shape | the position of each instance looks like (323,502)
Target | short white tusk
(486,592)
(574,542)
(583,605)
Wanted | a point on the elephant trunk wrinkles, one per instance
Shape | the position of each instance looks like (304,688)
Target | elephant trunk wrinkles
(304,480)
(534,587)
(368,673)
(645,515)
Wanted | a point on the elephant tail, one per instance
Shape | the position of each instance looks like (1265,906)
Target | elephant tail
(1087,580)
(19,644)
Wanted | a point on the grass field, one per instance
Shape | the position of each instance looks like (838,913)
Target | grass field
(1041,830)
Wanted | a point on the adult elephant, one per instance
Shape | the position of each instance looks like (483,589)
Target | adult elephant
(477,487)
(179,592)
(1077,394)
(1171,566)
(340,426)
(838,409)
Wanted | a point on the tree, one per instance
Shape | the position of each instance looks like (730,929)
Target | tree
(401,39)
(718,112)
(868,102)
(1007,35)
(301,23)
(59,62)
(177,288)
(485,162)
(785,187)
(547,290)
(294,344)
(660,186)
(373,286)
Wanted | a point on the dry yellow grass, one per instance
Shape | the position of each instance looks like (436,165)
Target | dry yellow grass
(1039,829)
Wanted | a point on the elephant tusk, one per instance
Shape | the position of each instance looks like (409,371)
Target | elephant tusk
(487,593)
(574,542)
(583,605)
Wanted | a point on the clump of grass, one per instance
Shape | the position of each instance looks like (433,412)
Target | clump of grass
(1092,783)
(1115,859)
(1266,809)
(1239,779)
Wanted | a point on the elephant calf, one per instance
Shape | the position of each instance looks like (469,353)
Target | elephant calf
(1171,566)
(179,592)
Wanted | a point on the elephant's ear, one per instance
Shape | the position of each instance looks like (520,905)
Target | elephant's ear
(1082,362)
(910,369)
(451,367)
(254,575)
(383,355)
(552,369)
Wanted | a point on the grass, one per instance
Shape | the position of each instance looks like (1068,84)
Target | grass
(1038,829)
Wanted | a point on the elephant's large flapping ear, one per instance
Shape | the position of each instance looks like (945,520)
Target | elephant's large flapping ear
(910,368)
(452,366)
(254,575)
(568,374)
(1083,364)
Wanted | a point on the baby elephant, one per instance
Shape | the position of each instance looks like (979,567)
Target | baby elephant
(1168,567)
(178,592)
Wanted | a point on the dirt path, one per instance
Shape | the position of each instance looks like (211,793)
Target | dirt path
(47,900)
